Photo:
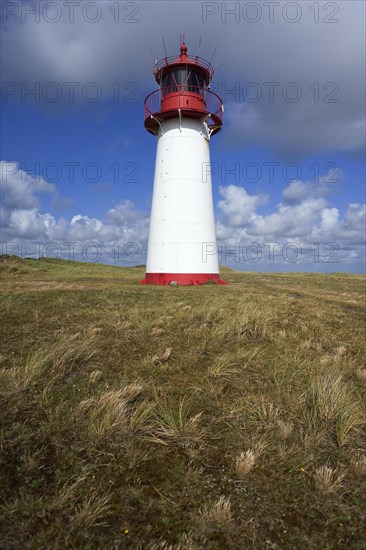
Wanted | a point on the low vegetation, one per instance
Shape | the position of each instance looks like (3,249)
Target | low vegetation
(180,417)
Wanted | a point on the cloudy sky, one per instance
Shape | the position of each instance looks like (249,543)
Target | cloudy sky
(288,166)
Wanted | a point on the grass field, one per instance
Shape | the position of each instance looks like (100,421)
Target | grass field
(181,417)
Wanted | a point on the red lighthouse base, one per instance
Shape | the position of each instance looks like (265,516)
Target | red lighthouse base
(181,279)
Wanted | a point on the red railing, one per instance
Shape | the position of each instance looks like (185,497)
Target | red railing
(171,60)
(208,102)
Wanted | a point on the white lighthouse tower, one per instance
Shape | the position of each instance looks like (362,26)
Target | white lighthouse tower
(184,115)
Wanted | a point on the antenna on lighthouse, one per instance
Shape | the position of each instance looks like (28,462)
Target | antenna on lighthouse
(213,68)
(153,57)
(199,47)
(213,55)
(166,55)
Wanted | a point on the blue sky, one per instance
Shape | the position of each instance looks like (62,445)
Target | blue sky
(286,169)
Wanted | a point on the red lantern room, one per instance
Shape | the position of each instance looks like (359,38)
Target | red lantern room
(184,91)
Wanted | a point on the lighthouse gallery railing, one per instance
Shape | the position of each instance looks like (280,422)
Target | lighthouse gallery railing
(211,102)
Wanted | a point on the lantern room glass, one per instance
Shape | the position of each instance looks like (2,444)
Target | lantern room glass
(183,79)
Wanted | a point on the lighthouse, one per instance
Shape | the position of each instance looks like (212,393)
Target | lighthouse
(183,114)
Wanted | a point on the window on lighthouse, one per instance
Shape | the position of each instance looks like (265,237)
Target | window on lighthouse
(196,82)
(183,80)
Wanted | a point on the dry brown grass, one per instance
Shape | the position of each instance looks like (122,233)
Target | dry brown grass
(332,401)
(93,512)
(358,465)
(95,375)
(51,364)
(244,463)
(361,374)
(175,425)
(246,460)
(149,417)
(263,411)
(218,517)
(115,412)
(223,366)
(285,429)
(327,480)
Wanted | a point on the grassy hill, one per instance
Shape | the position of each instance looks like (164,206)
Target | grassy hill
(180,417)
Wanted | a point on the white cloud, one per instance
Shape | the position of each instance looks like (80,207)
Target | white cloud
(352,228)
(123,212)
(84,228)
(329,220)
(298,190)
(289,221)
(30,224)
(22,219)
(355,217)
(301,218)
(238,206)
(19,189)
